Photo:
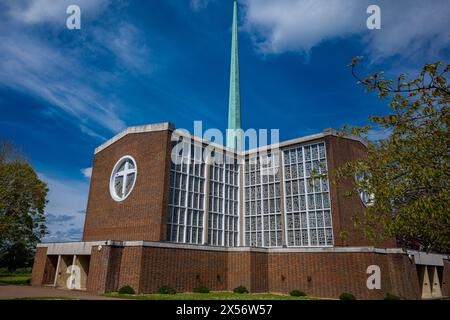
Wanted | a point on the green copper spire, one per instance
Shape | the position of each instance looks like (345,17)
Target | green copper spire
(234,135)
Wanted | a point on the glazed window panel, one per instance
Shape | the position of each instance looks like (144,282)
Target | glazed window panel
(262,200)
(224,201)
(186,208)
(307,199)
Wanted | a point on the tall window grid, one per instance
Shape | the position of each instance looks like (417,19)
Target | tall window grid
(187,196)
(307,199)
(216,195)
(223,216)
(231,210)
(262,198)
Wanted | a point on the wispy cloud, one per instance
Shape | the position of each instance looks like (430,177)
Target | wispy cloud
(65,211)
(67,70)
(71,234)
(379,133)
(198,5)
(410,28)
(52,219)
(44,11)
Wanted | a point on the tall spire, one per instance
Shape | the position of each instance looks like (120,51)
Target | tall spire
(234,135)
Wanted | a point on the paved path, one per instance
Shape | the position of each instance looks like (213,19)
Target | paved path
(12,292)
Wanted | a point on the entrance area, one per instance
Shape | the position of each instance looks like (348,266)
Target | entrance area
(71,271)
(430,279)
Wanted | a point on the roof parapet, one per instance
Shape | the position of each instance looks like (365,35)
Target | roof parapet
(167,126)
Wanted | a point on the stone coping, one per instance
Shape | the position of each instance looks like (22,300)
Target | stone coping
(167,126)
(85,248)
(136,129)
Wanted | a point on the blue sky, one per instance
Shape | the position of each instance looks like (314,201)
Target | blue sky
(64,92)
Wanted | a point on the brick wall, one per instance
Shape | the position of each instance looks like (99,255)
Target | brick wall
(404,278)
(183,269)
(142,215)
(318,274)
(446,279)
(339,152)
(40,259)
(259,272)
(104,269)
(131,271)
(330,274)
(321,274)
(239,270)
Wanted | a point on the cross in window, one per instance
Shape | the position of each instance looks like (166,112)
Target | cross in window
(125,173)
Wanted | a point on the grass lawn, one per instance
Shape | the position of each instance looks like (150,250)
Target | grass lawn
(208,296)
(43,298)
(12,278)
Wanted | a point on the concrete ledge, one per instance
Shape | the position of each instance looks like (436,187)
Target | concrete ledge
(85,248)
(137,129)
(428,259)
(72,248)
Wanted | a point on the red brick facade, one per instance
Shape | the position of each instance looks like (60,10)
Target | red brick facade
(446,279)
(40,259)
(142,215)
(340,151)
(322,274)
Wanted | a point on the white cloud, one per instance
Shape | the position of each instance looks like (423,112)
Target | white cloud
(408,26)
(299,25)
(198,5)
(87,172)
(39,69)
(67,199)
(43,11)
(127,44)
(64,73)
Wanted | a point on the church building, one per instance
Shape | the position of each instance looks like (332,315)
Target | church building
(266,218)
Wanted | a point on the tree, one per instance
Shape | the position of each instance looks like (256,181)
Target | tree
(23,197)
(406,173)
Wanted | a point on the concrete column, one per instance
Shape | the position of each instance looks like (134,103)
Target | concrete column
(425,282)
(283,213)
(57,270)
(436,291)
(206,217)
(241,201)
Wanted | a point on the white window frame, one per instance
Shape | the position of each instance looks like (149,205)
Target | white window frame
(114,172)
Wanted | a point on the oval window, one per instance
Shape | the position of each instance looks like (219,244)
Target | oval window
(123,178)
(366,198)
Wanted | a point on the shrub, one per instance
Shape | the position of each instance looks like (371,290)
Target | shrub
(22,271)
(126,290)
(347,296)
(389,296)
(18,271)
(240,289)
(297,293)
(166,290)
(201,289)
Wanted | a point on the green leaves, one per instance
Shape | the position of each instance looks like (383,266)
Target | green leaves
(22,203)
(407,171)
